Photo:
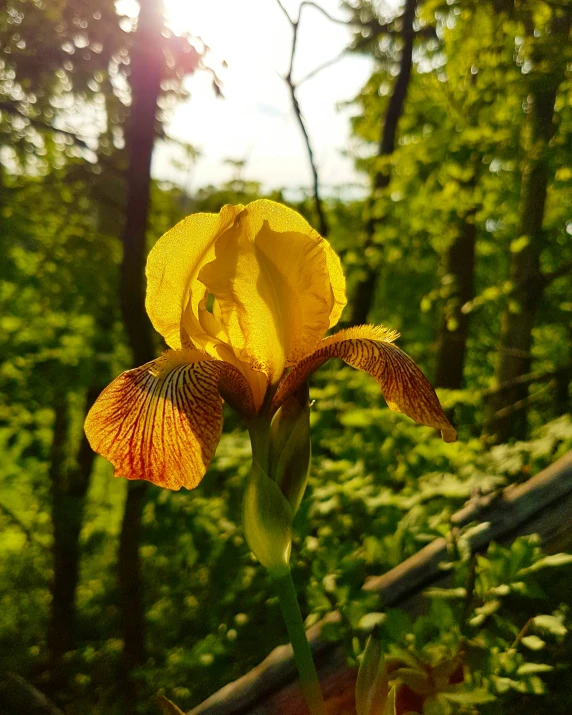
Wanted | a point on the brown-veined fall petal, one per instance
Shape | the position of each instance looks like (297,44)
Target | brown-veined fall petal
(162,421)
(370,348)
(172,268)
(278,285)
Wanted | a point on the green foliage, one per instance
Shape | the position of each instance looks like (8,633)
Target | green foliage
(462,141)
(210,613)
(482,645)
(380,487)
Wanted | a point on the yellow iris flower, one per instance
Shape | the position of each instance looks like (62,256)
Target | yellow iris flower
(243,299)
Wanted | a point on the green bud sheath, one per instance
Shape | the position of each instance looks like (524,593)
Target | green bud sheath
(372,687)
(267,519)
(275,487)
(391,704)
(290,447)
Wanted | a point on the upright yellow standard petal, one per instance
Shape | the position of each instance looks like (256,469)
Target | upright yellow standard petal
(278,284)
(173,293)
(371,349)
(162,421)
(281,219)
(250,313)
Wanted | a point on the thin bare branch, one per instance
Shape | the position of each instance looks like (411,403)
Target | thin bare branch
(292,86)
(9,514)
(527,379)
(525,402)
(356,47)
(323,66)
(293,51)
(319,8)
(290,20)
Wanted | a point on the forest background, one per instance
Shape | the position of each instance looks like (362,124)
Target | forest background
(111,592)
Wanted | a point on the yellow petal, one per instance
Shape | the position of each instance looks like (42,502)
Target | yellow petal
(371,349)
(297,258)
(278,284)
(218,347)
(173,294)
(162,421)
(337,283)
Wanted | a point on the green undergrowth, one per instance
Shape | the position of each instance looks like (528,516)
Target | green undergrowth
(380,489)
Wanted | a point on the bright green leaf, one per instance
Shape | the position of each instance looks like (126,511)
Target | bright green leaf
(533,642)
(552,624)
(532,668)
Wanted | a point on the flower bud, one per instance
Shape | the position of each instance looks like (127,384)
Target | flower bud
(277,480)
(290,448)
(373,693)
(267,519)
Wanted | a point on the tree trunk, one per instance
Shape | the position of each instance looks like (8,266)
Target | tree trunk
(69,488)
(146,72)
(60,627)
(130,582)
(563,403)
(519,315)
(365,290)
(454,329)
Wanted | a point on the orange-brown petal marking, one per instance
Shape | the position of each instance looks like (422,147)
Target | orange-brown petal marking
(162,421)
(371,349)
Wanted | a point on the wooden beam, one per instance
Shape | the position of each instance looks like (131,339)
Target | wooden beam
(19,697)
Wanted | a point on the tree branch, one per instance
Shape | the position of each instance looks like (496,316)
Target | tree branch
(292,86)
(290,20)
(40,124)
(331,18)
(20,524)
(526,380)
(323,66)
(564,269)
(525,402)
(359,45)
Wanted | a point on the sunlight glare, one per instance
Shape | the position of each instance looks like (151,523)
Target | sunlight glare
(249,46)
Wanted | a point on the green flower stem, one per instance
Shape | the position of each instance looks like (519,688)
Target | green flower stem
(309,683)
(259,431)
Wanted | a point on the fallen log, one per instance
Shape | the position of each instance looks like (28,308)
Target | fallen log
(542,505)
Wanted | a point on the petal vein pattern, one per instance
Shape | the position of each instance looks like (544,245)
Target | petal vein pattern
(162,421)
(370,349)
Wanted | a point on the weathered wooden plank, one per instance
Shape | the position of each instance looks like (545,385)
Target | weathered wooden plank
(19,697)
